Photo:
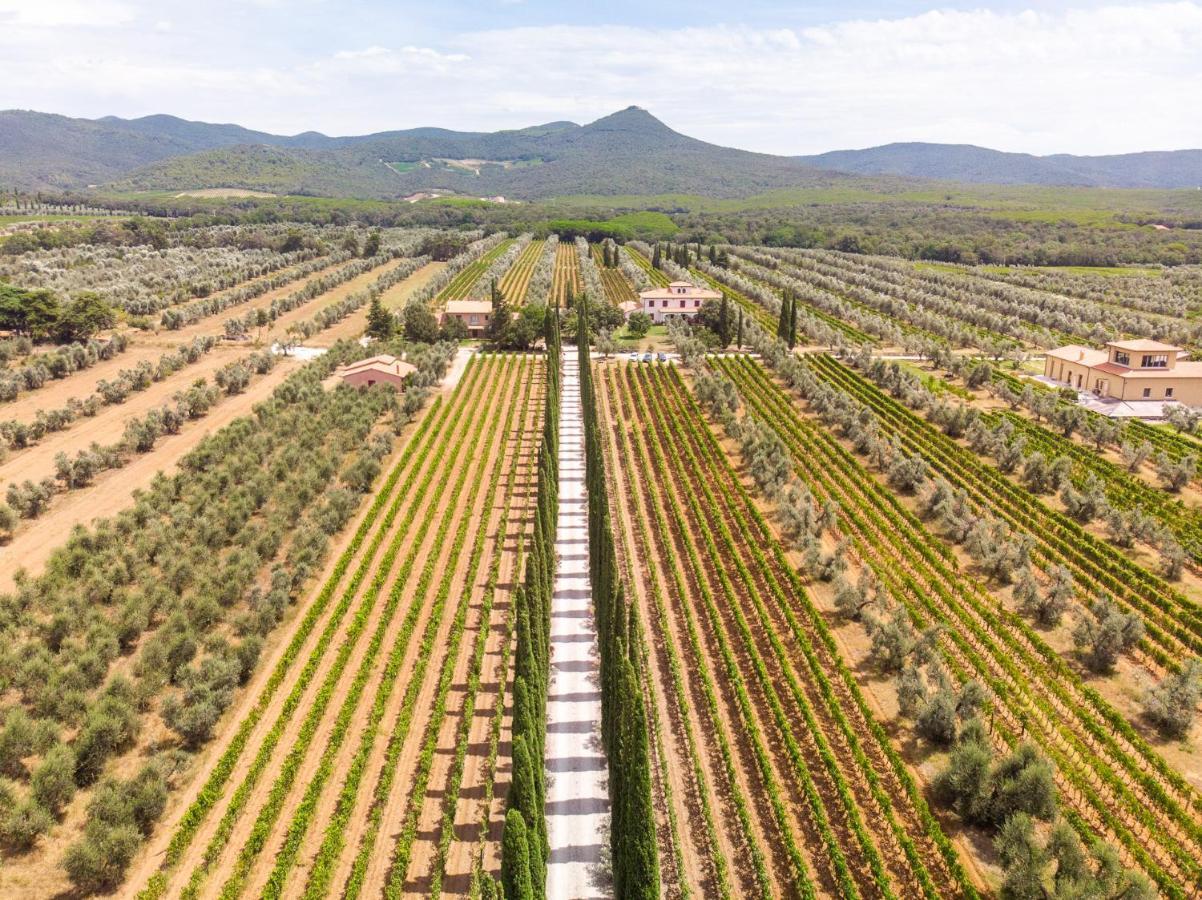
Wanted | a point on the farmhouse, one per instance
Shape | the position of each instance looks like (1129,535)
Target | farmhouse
(680,298)
(383,369)
(474,314)
(1128,370)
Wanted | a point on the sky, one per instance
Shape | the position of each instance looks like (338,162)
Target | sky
(789,78)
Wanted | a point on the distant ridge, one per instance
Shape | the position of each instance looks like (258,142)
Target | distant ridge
(965,162)
(627,152)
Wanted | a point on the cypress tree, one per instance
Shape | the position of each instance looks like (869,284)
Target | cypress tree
(792,322)
(524,797)
(515,858)
(725,324)
(739,340)
(640,855)
(657,258)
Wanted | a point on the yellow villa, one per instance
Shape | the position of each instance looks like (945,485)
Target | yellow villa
(1128,370)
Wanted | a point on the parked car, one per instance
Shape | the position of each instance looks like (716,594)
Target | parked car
(646,357)
(634,357)
(661,356)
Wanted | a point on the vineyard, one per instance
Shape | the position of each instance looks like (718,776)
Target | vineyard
(419,602)
(566,278)
(765,747)
(839,598)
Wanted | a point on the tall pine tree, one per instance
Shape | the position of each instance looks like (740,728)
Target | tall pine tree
(380,322)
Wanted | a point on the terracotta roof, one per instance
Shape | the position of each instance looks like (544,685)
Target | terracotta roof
(1076,353)
(1186,370)
(382,363)
(469,306)
(1110,368)
(1143,345)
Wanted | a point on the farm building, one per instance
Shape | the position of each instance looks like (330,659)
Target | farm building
(475,314)
(680,298)
(1128,370)
(383,369)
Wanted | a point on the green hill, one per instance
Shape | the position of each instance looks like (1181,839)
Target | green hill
(629,152)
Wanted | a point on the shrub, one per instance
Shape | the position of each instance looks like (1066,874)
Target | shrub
(24,824)
(98,861)
(1171,704)
(53,781)
(1104,632)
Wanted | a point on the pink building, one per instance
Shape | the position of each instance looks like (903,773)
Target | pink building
(383,369)
(680,298)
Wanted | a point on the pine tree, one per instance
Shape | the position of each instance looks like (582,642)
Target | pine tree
(515,858)
(380,322)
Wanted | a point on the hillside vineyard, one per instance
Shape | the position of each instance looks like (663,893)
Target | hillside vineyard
(346,559)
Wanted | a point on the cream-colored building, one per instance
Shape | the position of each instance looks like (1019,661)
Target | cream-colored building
(1128,370)
(475,314)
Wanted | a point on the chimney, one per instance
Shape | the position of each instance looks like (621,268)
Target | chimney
(1080,355)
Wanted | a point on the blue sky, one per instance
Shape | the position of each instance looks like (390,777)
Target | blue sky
(1080,77)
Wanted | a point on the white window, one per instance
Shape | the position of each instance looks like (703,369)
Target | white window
(1156,361)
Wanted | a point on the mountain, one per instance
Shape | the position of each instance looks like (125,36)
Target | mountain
(628,152)
(965,162)
(40,150)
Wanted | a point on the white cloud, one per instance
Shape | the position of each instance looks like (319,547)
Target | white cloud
(65,13)
(1103,79)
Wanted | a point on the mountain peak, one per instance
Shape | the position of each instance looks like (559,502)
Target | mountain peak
(631,119)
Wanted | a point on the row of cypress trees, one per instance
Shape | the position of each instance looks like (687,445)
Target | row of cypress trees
(524,843)
(634,852)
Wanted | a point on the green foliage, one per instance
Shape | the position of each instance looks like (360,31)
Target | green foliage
(420,323)
(1171,705)
(381,324)
(22,824)
(1104,632)
(983,792)
(515,858)
(53,781)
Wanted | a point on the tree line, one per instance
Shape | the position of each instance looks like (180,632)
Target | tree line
(624,730)
(524,846)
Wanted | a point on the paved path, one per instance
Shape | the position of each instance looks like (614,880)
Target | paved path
(577,778)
